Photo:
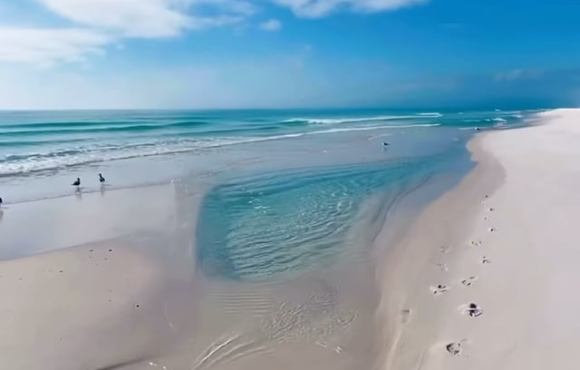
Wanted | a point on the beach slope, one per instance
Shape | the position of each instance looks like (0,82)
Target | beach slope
(486,278)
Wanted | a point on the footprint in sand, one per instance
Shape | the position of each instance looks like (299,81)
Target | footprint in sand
(485,260)
(469,281)
(455,348)
(471,309)
(476,243)
(445,249)
(439,289)
(492,229)
(405,315)
(443,267)
(491,209)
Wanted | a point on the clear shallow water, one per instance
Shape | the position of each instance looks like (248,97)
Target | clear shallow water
(277,224)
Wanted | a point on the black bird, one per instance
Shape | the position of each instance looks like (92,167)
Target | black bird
(77,182)
(1,201)
(101,178)
(385,144)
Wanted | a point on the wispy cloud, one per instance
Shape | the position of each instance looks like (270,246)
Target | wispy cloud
(141,18)
(95,24)
(271,25)
(321,8)
(150,18)
(48,46)
(517,75)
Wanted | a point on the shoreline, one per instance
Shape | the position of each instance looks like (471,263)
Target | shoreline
(326,314)
(483,242)
(411,264)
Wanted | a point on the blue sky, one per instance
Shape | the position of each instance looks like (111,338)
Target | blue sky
(59,54)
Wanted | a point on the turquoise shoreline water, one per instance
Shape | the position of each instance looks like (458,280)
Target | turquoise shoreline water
(48,141)
(288,190)
(278,224)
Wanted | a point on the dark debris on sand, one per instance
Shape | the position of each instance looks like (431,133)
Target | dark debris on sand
(454,348)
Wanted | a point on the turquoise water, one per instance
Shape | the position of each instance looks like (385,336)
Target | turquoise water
(288,191)
(33,142)
(277,224)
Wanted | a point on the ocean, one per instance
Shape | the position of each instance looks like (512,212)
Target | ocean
(44,141)
(36,144)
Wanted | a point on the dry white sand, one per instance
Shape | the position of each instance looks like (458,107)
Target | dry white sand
(505,239)
(114,288)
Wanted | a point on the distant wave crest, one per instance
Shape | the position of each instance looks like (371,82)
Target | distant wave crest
(341,120)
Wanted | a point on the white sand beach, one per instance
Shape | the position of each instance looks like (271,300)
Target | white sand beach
(110,281)
(95,294)
(504,239)
(123,291)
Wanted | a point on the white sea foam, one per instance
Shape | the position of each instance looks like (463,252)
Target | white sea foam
(369,128)
(14,164)
(330,121)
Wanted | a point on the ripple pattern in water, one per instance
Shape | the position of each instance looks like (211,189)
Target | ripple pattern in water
(285,222)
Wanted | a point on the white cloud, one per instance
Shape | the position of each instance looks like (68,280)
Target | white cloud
(321,8)
(48,46)
(149,18)
(98,23)
(271,25)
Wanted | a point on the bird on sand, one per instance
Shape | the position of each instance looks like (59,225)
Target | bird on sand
(77,182)
(101,178)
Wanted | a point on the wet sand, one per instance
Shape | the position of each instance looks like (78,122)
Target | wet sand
(125,291)
(485,278)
